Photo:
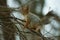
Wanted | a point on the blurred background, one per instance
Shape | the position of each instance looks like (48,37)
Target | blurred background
(43,14)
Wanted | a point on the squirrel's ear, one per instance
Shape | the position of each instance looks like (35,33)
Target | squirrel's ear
(25,9)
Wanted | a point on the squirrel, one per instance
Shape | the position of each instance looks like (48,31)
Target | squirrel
(32,20)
